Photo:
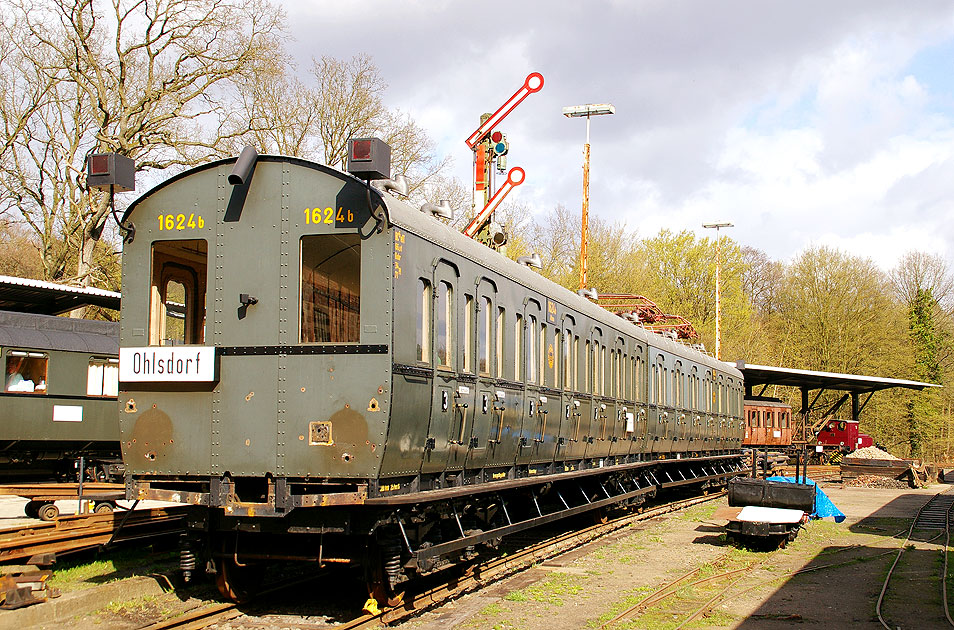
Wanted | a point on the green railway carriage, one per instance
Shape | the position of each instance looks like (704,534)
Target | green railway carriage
(315,363)
(59,396)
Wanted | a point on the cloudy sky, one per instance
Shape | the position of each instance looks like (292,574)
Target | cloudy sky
(803,123)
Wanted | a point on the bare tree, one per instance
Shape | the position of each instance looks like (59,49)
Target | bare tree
(762,280)
(919,271)
(142,79)
(344,100)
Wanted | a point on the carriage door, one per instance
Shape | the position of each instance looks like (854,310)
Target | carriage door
(640,386)
(550,400)
(532,379)
(444,348)
(617,435)
(695,424)
(659,420)
(485,364)
(247,396)
(564,358)
(680,416)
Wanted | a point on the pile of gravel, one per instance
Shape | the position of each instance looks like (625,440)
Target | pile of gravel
(874,481)
(871,452)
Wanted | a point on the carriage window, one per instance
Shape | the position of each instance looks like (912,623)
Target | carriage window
(501,322)
(468,333)
(102,377)
(445,318)
(543,352)
(575,361)
(177,301)
(518,347)
(26,372)
(531,349)
(423,335)
(484,336)
(587,362)
(330,288)
(566,367)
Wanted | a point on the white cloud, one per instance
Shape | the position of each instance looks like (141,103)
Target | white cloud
(800,122)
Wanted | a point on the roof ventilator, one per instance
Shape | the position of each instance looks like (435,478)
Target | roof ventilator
(396,186)
(531,261)
(442,210)
(589,294)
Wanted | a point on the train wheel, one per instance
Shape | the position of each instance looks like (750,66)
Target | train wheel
(32,509)
(235,583)
(48,512)
(380,589)
(103,507)
(600,516)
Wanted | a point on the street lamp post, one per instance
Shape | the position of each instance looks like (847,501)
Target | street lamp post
(579,111)
(717,227)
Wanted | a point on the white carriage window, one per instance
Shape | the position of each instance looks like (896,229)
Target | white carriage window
(423,334)
(445,322)
(468,333)
(102,377)
(177,300)
(484,331)
(330,288)
(26,372)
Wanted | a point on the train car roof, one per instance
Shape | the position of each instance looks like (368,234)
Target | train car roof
(27,295)
(428,227)
(47,332)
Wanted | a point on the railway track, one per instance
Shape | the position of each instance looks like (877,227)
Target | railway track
(815,473)
(415,602)
(916,563)
(69,534)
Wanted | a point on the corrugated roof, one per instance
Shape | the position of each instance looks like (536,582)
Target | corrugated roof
(46,332)
(26,295)
(757,375)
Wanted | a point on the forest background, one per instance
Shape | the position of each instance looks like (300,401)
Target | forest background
(175,83)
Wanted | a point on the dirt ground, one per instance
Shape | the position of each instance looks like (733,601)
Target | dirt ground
(590,586)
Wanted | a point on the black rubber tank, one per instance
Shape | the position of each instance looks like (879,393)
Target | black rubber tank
(776,494)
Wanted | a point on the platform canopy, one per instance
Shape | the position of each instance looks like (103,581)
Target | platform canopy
(764,375)
(47,298)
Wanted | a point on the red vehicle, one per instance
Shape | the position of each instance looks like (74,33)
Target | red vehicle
(843,435)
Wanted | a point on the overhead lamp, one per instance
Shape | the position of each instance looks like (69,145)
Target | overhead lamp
(593,109)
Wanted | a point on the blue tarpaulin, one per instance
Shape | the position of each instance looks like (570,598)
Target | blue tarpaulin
(823,505)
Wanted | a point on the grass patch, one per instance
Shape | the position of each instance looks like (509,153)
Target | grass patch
(79,573)
(550,591)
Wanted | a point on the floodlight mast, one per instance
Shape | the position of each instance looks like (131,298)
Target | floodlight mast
(580,111)
(717,227)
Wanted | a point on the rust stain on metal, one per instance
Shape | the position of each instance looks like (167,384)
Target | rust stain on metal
(248,397)
(152,434)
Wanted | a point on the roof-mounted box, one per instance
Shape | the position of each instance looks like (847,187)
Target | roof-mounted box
(105,170)
(369,158)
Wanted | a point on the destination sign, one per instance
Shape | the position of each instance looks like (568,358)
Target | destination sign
(193,364)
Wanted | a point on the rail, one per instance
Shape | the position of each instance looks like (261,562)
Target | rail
(74,533)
